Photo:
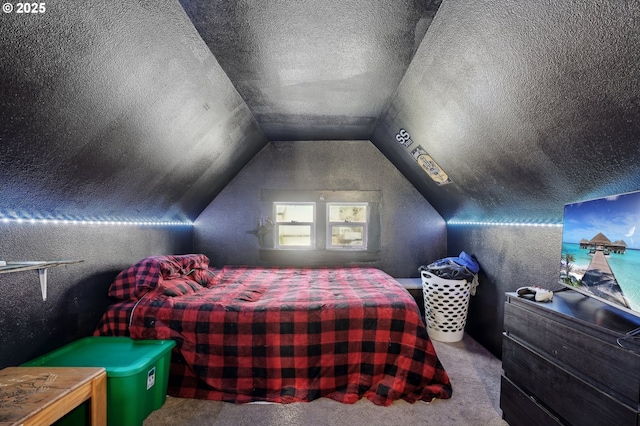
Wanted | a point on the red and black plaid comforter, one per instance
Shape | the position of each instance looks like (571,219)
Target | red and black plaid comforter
(287,335)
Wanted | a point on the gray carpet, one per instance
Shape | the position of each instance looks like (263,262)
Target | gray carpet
(475,376)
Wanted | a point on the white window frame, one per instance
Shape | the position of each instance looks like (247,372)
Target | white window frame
(331,225)
(278,223)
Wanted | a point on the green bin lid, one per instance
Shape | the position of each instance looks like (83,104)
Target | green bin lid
(120,356)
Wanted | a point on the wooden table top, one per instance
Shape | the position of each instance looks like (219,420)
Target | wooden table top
(24,391)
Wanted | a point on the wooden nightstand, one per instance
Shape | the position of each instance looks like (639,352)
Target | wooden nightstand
(42,395)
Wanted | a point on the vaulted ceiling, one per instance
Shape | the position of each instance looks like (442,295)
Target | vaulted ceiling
(314,70)
(147,109)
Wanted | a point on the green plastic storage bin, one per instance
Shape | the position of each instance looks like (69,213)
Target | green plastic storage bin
(137,373)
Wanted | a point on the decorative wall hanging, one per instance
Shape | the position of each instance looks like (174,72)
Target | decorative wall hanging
(425,161)
(404,138)
(429,165)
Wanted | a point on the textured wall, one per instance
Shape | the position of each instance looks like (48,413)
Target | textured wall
(412,232)
(509,257)
(77,293)
(115,110)
(526,107)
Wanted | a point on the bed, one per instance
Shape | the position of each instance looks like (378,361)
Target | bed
(281,335)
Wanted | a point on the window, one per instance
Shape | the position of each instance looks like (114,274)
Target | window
(295,225)
(320,227)
(347,226)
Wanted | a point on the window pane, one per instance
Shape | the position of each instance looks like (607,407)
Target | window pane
(294,235)
(347,213)
(294,212)
(347,236)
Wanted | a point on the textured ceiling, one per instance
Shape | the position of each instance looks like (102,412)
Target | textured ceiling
(126,109)
(526,108)
(115,110)
(314,70)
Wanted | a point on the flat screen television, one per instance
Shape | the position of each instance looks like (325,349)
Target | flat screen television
(601,249)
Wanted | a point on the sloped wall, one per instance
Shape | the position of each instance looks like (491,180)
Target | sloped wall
(77,293)
(115,110)
(412,232)
(525,107)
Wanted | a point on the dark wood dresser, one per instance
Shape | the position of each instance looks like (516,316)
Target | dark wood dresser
(562,364)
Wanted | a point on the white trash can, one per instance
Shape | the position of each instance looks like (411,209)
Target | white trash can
(446,303)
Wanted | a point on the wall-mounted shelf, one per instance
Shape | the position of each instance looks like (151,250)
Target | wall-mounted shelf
(40,266)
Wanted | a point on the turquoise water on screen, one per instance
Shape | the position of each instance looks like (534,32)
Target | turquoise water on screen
(625,267)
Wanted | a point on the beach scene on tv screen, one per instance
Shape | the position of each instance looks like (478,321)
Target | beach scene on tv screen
(601,248)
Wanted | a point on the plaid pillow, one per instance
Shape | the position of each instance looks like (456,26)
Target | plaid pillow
(178,287)
(145,275)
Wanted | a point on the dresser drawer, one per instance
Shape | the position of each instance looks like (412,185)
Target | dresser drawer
(582,350)
(562,392)
(519,409)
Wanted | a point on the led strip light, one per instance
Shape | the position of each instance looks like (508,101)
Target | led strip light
(490,223)
(93,222)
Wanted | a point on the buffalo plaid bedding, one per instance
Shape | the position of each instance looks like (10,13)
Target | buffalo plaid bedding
(285,335)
